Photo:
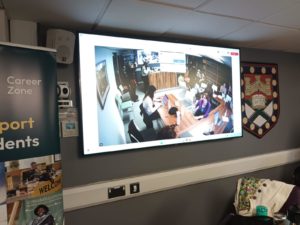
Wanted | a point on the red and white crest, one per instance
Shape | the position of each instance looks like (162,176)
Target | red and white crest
(260,97)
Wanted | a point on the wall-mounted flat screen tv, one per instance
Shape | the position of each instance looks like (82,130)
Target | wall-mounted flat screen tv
(138,93)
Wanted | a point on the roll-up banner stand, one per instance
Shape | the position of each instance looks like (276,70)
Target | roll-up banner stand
(30,162)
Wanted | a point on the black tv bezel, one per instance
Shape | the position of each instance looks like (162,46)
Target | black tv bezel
(175,40)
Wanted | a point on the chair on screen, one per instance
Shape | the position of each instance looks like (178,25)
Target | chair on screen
(125,96)
(124,107)
(137,135)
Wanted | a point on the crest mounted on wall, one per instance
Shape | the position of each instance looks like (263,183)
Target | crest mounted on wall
(260,97)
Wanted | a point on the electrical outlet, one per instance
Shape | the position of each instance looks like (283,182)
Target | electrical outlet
(116,191)
(134,188)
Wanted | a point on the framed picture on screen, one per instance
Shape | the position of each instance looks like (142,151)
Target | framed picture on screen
(102,82)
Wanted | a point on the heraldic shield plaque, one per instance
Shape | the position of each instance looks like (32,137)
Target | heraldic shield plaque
(260,97)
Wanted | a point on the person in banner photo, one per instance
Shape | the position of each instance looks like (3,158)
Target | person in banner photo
(42,210)
(43,217)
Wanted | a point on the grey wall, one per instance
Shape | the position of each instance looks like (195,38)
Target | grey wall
(205,203)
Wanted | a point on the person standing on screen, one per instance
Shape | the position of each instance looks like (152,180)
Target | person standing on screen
(150,109)
(130,70)
(224,89)
(145,75)
(202,106)
(42,216)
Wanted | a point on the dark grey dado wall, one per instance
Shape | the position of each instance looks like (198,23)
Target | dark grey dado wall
(201,204)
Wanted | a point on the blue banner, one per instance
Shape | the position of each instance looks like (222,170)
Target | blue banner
(28,111)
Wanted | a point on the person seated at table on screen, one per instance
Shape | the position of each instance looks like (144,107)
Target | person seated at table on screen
(202,106)
(167,132)
(181,82)
(149,107)
(200,75)
(224,89)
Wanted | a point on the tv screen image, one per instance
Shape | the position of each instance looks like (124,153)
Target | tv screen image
(138,93)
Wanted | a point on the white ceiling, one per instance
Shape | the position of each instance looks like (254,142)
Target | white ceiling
(264,24)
